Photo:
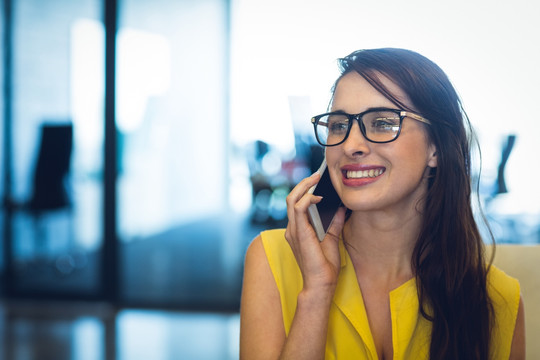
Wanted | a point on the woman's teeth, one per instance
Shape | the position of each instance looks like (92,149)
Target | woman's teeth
(364,173)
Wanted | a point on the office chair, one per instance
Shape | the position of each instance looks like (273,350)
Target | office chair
(50,191)
(52,167)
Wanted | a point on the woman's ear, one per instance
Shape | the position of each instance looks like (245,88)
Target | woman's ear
(432,157)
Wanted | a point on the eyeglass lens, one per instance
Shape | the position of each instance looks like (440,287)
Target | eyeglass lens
(377,126)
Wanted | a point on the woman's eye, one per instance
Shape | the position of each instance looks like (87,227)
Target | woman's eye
(385,124)
(338,125)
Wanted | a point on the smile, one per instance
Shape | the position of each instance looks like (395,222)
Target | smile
(361,174)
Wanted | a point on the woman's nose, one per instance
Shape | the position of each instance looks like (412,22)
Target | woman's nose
(356,143)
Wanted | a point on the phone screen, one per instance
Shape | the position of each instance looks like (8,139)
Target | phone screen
(321,214)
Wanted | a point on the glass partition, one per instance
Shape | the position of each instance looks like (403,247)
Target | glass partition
(57,146)
(172,125)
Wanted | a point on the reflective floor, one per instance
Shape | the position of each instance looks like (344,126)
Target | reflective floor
(71,331)
(196,267)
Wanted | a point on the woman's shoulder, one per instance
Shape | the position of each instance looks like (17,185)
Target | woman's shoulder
(502,286)
(274,235)
(504,292)
(276,247)
(267,242)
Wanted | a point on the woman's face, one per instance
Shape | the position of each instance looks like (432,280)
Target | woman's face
(369,176)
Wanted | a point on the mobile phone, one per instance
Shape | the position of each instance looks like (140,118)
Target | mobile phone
(321,214)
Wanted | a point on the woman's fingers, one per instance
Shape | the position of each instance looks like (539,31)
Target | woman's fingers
(296,194)
(298,228)
(300,190)
(301,210)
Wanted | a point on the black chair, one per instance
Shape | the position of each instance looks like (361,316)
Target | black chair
(52,168)
(50,191)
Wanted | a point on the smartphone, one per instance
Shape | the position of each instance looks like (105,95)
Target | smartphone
(321,214)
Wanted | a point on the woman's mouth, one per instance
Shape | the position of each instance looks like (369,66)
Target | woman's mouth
(362,174)
(355,176)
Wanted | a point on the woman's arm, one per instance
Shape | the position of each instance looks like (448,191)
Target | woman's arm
(517,352)
(262,333)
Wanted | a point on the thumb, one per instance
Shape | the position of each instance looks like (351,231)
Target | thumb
(330,243)
(334,230)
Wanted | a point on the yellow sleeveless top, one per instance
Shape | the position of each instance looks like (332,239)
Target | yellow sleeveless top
(349,335)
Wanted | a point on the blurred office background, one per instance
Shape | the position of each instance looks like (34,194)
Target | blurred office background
(136,168)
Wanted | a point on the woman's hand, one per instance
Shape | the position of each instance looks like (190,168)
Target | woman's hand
(319,262)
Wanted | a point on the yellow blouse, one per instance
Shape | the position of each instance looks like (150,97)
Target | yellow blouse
(349,335)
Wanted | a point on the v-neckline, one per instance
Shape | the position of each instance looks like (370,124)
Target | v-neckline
(348,298)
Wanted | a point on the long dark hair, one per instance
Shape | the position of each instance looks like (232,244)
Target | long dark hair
(449,256)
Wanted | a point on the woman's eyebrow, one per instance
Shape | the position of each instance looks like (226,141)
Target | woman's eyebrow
(368,109)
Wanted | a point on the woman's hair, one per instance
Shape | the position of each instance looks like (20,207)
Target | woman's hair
(449,256)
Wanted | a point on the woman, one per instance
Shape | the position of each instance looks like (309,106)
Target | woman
(402,275)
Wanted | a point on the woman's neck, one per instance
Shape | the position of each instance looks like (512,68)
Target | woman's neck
(381,245)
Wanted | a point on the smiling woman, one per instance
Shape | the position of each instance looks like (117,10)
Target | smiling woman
(403,274)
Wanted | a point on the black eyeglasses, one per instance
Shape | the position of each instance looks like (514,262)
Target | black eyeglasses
(379,125)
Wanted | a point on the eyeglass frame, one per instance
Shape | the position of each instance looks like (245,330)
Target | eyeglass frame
(358,117)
